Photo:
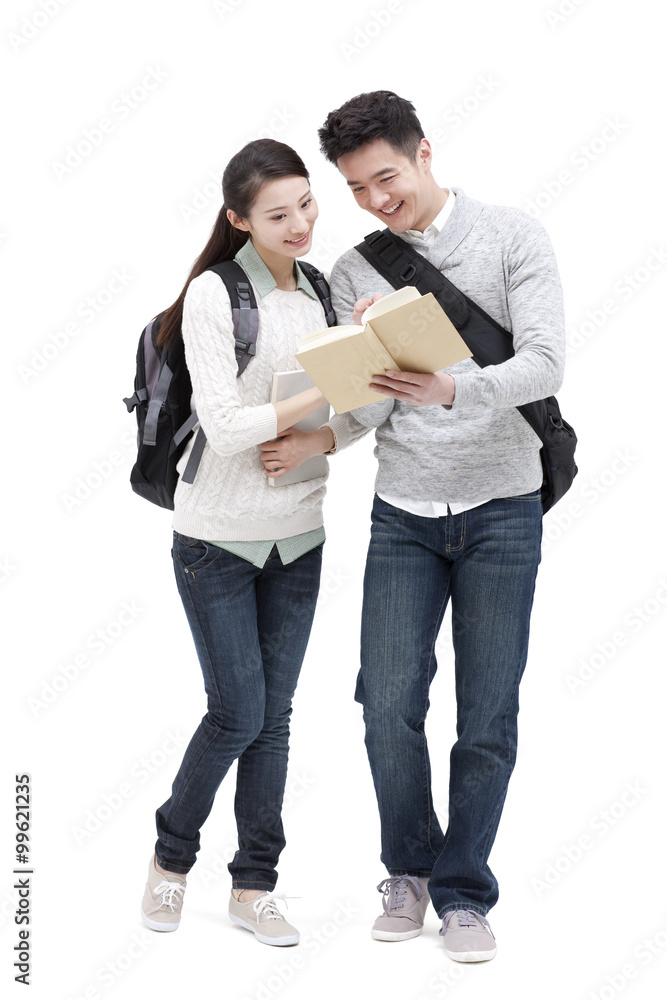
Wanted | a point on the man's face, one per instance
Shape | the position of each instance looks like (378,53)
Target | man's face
(389,185)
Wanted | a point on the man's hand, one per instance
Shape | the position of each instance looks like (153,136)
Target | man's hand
(361,305)
(292,448)
(415,388)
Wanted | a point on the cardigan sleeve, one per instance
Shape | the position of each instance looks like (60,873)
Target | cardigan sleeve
(208,335)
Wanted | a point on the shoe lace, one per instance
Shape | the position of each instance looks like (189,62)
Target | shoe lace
(167,891)
(466,918)
(267,906)
(395,889)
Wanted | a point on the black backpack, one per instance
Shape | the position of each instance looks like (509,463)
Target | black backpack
(163,390)
(490,344)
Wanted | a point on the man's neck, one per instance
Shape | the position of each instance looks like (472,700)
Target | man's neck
(436,203)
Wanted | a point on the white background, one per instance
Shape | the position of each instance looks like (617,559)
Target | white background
(536,93)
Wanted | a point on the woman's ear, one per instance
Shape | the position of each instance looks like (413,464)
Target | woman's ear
(237,222)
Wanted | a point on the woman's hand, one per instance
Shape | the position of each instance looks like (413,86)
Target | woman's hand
(361,305)
(292,448)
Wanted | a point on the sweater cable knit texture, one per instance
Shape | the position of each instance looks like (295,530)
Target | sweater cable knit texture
(231,498)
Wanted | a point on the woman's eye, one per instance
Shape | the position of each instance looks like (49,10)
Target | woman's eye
(306,203)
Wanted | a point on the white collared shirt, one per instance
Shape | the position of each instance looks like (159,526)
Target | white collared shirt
(431,508)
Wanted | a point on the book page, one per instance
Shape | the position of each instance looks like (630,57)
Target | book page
(420,336)
(343,368)
(332,333)
(391,301)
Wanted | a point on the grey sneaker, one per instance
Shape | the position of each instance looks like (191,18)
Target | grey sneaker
(468,936)
(163,899)
(404,902)
(264,919)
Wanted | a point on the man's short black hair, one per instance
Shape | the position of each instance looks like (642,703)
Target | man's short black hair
(380,114)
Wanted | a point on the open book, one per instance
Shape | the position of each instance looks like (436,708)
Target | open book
(403,331)
(285,385)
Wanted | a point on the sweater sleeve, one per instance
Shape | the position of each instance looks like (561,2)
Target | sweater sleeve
(535,303)
(208,335)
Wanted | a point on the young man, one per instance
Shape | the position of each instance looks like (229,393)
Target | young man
(457,516)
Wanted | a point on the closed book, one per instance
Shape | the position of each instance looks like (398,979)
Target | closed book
(285,385)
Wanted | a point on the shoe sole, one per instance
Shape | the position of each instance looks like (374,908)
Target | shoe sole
(156,925)
(279,941)
(395,935)
(471,956)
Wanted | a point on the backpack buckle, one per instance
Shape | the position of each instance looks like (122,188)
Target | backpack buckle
(408,273)
(245,348)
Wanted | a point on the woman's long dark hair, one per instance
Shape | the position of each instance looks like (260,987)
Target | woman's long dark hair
(246,173)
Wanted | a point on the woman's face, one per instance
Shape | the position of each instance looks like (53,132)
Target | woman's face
(282,218)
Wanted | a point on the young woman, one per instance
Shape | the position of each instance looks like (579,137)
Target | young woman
(246,555)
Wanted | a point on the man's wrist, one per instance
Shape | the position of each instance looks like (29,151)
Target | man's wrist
(449,387)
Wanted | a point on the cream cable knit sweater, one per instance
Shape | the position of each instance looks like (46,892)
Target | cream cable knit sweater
(230,498)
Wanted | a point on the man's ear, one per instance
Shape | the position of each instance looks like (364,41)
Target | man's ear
(424,154)
(237,221)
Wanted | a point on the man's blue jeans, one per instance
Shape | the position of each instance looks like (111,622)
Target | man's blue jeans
(485,560)
(250,627)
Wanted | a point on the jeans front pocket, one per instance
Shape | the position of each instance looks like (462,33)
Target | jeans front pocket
(194,554)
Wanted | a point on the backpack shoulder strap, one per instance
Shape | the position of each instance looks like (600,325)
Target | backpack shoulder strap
(321,286)
(244,310)
(400,264)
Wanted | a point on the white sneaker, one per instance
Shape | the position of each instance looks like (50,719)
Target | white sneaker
(264,919)
(163,900)
(468,936)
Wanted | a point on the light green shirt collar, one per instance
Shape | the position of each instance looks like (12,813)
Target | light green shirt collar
(261,277)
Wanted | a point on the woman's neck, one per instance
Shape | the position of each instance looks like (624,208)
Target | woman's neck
(282,268)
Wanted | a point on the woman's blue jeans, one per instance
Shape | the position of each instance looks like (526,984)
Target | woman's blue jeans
(250,627)
(485,560)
